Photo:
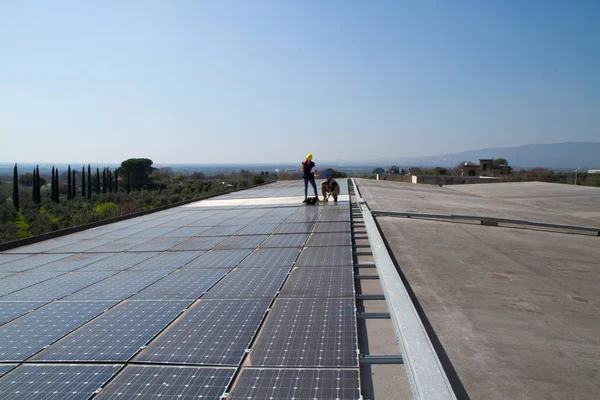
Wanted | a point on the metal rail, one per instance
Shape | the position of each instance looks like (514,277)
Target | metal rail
(486,220)
(426,375)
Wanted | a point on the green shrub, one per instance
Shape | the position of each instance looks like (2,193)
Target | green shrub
(107,210)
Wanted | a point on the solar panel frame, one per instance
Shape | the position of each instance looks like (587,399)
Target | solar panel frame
(298,384)
(65,382)
(248,283)
(117,335)
(271,257)
(222,230)
(242,242)
(181,284)
(6,257)
(308,333)
(186,231)
(204,243)
(335,256)
(118,246)
(210,332)
(219,259)
(5,368)
(288,240)
(30,333)
(329,239)
(44,246)
(324,282)
(161,381)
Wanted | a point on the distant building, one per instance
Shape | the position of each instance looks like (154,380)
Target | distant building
(486,167)
(593,171)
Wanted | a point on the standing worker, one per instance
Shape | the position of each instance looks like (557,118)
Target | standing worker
(309,176)
(330,186)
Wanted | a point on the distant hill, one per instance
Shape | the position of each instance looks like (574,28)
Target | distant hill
(572,155)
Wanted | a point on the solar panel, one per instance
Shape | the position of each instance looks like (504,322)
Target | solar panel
(305,214)
(118,245)
(319,282)
(119,262)
(221,230)
(266,258)
(72,262)
(58,287)
(158,244)
(308,333)
(289,240)
(329,239)
(81,245)
(119,286)
(169,261)
(119,233)
(168,382)
(43,246)
(325,257)
(242,242)
(271,219)
(321,227)
(187,231)
(29,334)
(10,310)
(338,215)
(65,382)
(117,335)
(6,367)
(219,259)
(152,233)
(258,229)
(30,262)
(200,243)
(249,283)
(5,258)
(303,227)
(210,332)
(182,284)
(19,281)
(5,274)
(298,384)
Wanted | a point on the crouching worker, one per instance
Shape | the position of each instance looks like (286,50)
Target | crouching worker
(330,188)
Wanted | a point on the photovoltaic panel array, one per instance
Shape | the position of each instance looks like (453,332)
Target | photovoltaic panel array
(33,261)
(302,227)
(271,257)
(82,245)
(72,262)
(16,282)
(10,310)
(119,286)
(56,288)
(325,256)
(211,332)
(247,283)
(219,259)
(158,244)
(242,242)
(4,368)
(168,261)
(5,257)
(298,384)
(181,284)
(319,282)
(44,246)
(200,243)
(116,335)
(68,382)
(289,240)
(308,333)
(29,334)
(329,239)
(119,262)
(168,382)
(322,227)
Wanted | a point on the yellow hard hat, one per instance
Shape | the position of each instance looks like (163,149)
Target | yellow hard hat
(309,157)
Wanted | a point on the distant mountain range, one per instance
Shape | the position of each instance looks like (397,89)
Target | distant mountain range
(571,155)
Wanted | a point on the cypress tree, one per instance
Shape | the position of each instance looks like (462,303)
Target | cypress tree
(33,191)
(128,183)
(38,184)
(104,180)
(52,185)
(74,188)
(57,191)
(16,188)
(83,181)
(116,180)
(69,193)
(97,180)
(109,179)
(89,190)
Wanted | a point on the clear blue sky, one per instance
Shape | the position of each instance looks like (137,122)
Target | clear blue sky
(255,81)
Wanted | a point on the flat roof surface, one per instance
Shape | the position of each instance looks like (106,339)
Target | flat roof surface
(250,294)
(513,311)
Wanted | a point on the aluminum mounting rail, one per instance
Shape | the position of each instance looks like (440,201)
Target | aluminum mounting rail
(426,375)
(486,220)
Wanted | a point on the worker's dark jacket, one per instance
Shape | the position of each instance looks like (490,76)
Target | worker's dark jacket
(307,170)
(331,187)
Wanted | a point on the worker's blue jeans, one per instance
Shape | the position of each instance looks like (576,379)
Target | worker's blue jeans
(314,185)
